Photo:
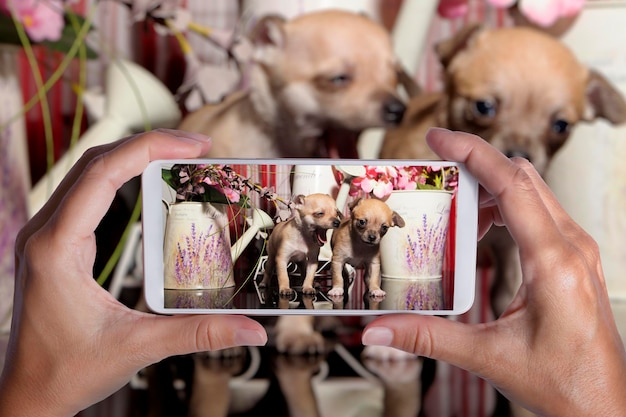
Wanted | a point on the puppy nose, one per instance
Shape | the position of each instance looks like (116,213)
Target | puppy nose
(371,238)
(393,111)
(336,223)
(517,153)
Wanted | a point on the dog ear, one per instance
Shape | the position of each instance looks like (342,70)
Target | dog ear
(407,82)
(269,31)
(448,49)
(604,100)
(299,200)
(397,220)
(354,203)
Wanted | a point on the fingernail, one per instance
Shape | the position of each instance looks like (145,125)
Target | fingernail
(181,134)
(247,337)
(380,336)
(440,129)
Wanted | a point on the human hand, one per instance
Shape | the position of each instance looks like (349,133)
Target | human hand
(72,343)
(556,349)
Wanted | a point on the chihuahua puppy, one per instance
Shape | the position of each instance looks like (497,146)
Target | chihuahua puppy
(519,89)
(308,75)
(357,242)
(299,239)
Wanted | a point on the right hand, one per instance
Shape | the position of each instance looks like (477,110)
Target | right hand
(556,349)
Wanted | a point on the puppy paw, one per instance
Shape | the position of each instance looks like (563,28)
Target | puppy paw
(295,335)
(336,292)
(285,292)
(377,293)
(308,290)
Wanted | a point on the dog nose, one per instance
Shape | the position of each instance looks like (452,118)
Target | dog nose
(517,153)
(371,238)
(336,223)
(393,111)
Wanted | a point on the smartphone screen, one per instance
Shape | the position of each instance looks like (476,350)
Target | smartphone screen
(309,236)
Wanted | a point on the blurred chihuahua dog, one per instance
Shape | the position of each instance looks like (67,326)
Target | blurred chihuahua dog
(323,70)
(519,89)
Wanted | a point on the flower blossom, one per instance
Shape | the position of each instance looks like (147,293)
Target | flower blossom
(42,19)
(541,12)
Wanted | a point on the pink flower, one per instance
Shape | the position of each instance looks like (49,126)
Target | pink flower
(453,9)
(546,13)
(42,19)
(541,12)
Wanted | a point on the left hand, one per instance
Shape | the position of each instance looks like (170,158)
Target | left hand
(72,343)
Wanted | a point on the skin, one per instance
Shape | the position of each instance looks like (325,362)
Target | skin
(72,344)
(556,350)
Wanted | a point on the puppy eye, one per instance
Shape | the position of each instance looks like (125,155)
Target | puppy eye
(318,214)
(332,83)
(362,222)
(340,80)
(485,108)
(560,127)
(384,228)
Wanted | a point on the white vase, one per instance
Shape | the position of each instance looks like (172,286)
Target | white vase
(412,257)
(14,176)
(196,250)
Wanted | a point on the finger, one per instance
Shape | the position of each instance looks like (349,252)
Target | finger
(558,213)
(94,190)
(429,336)
(520,204)
(162,337)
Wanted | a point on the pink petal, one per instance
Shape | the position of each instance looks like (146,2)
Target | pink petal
(452,9)
(542,12)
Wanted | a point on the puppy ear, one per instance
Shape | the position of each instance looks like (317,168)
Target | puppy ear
(448,49)
(339,214)
(354,203)
(397,220)
(406,81)
(299,200)
(604,100)
(269,31)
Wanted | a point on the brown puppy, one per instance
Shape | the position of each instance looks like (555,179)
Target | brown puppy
(321,70)
(299,240)
(519,89)
(357,242)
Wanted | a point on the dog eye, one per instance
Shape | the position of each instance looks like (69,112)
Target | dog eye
(362,222)
(340,80)
(485,108)
(384,228)
(318,214)
(560,127)
(333,82)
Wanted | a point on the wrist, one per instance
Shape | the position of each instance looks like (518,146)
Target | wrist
(20,398)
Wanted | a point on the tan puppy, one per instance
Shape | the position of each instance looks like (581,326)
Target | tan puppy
(521,90)
(518,88)
(321,70)
(299,240)
(357,242)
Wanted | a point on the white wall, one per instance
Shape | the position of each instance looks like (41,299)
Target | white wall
(589,174)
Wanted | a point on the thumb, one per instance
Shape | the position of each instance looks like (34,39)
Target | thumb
(433,337)
(164,336)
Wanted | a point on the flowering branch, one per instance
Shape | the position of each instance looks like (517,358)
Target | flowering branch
(215,183)
(380,181)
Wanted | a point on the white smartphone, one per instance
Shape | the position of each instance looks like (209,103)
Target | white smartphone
(255,237)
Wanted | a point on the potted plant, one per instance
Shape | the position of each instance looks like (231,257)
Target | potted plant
(197,246)
(412,257)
